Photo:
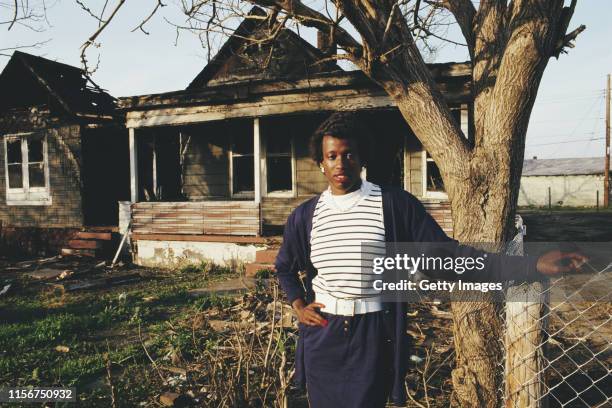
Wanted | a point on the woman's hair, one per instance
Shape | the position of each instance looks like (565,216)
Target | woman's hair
(341,125)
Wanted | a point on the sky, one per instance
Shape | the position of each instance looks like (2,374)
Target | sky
(567,119)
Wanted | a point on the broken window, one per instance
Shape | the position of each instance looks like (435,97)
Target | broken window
(36,164)
(434,185)
(243,178)
(27,168)
(278,163)
(15,163)
(432,179)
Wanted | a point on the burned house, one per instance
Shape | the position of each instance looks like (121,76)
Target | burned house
(63,158)
(216,168)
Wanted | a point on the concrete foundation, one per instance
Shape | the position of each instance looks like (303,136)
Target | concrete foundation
(170,254)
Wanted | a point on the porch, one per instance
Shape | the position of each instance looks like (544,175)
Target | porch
(227,164)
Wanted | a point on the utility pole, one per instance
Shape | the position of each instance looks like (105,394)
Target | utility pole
(606,202)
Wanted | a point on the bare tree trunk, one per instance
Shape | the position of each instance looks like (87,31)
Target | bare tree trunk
(483,188)
(477,326)
(481,214)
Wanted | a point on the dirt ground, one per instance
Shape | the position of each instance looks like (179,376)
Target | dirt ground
(112,322)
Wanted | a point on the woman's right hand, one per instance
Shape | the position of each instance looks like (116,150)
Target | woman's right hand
(307,314)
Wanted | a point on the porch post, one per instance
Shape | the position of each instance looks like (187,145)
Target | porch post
(133,166)
(257,160)
(465,126)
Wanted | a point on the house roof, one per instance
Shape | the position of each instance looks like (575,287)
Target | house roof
(29,80)
(563,167)
(254,51)
(452,79)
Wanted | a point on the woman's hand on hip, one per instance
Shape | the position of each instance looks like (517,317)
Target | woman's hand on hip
(308,314)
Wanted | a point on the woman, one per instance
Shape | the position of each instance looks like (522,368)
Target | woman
(353,348)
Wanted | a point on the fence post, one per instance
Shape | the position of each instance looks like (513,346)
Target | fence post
(524,342)
(549,200)
(524,339)
(597,200)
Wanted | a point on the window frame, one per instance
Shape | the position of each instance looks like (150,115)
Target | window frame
(463,118)
(240,194)
(27,195)
(428,193)
(264,169)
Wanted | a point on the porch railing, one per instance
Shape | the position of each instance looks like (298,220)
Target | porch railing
(196,218)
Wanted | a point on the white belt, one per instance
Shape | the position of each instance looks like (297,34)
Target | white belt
(348,307)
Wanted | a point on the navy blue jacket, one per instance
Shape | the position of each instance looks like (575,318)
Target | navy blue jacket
(405,220)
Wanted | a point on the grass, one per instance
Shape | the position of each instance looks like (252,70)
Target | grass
(100,325)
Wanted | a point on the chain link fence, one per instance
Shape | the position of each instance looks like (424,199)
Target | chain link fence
(557,339)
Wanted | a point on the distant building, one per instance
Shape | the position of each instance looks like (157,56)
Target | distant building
(573,182)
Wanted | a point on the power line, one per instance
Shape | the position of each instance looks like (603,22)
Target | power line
(568,141)
(566,120)
(568,100)
(571,95)
(563,135)
(586,114)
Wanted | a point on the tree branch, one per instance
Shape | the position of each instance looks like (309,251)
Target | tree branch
(490,38)
(146,20)
(464,13)
(396,7)
(311,18)
(530,29)
(88,11)
(14,16)
(565,39)
(3,51)
(95,35)
(398,67)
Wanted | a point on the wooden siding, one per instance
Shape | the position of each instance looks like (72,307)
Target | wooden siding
(276,210)
(310,180)
(413,157)
(196,218)
(441,212)
(65,158)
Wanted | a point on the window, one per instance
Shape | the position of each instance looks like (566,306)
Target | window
(242,166)
(279,166)
(27,169)
(433,185)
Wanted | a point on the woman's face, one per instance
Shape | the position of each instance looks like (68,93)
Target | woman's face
(341,164)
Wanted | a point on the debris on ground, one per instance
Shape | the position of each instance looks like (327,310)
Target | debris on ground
(47,273)
(228,287)
(98,283)
(173,399)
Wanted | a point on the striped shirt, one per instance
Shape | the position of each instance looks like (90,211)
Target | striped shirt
(347,233)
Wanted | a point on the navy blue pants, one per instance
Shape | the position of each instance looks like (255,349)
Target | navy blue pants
(349,362)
